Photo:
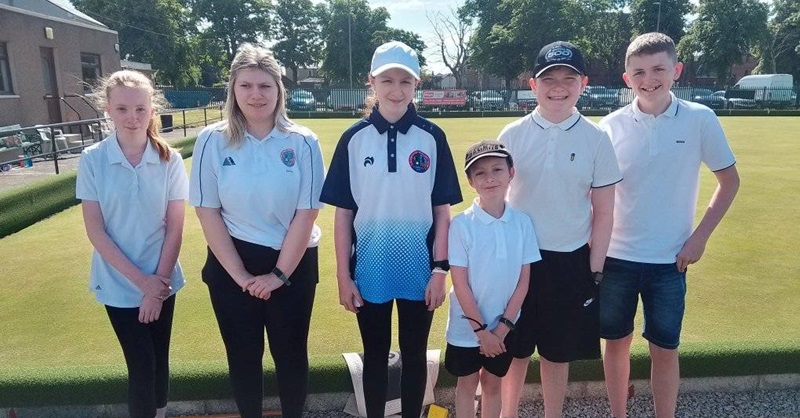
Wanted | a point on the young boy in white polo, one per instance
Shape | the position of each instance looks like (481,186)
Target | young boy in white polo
(565,177)
(490,249)
(660,141)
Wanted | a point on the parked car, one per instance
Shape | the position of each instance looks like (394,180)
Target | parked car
(736,102)
(600,97)
(522,100)
(302,100)
(486,100)
(707,97)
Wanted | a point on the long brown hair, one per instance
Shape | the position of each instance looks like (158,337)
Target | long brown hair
(137,80)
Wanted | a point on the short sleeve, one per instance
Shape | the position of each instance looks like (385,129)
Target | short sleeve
(204,183)
(606,167)
(457,246)
(716,153)
(86,183)
(312,174)
(178,181)
(336,189)
(446,189)
(530,247)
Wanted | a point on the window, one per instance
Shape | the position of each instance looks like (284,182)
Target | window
(5,71)
(90,67)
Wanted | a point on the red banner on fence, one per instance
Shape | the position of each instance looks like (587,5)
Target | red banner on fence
(444,97)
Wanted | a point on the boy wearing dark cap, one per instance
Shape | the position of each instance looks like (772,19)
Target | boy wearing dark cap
(490,248)
(566,172)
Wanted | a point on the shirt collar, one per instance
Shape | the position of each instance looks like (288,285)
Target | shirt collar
(564,125)
(671,111)
(402,125)
(487,219)
(115,155)
(274,133)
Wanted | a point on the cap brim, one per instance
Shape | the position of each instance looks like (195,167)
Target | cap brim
(488,154)
(385,67)
(557,65)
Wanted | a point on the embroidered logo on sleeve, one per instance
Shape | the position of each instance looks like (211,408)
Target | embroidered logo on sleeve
(419,161)
(288,157)
(369,161)
(228,161)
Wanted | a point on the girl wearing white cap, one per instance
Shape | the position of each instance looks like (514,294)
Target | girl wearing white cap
(132,186)
(392,180)
(255,184)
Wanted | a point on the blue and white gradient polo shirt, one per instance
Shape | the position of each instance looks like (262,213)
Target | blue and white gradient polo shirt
(391,176)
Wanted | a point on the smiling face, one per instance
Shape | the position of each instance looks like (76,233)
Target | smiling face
(130,109)
(394,89)
(490,176)
(651,76)
(256,96)
(557,91)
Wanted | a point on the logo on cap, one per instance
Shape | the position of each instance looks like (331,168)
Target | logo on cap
(558,53)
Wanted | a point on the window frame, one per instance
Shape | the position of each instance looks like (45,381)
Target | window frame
(89,84)
(6,83)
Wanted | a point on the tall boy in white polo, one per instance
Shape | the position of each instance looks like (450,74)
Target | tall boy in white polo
(128,197)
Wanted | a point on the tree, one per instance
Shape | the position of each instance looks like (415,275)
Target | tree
(352,27)
(665,16)
(723,34)
(493,48)
(232,22)
(603,33)
(297,30)
(780,53)
(452,36)
(157,32)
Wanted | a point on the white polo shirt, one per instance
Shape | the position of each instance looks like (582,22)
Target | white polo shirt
(260,184)
(134,202)
(493,250)
(660,158)
(392,175)
(557,165)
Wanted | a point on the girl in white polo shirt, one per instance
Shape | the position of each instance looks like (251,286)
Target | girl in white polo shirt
(392,180)
(255,183)
(133,186)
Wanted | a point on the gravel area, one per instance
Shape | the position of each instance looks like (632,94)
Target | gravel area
(761,404)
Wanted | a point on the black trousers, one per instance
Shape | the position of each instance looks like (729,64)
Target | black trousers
(375,324)
(146,351)
(242,319)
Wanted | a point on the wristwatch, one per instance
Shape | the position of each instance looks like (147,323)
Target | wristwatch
(278,273)
(441,264)
(597,276)
(507,322)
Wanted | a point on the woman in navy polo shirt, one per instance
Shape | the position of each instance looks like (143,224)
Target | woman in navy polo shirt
(392,180)
(255,184)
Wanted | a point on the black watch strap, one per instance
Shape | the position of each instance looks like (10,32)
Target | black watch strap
(442,264)
(277,272)
(507,322)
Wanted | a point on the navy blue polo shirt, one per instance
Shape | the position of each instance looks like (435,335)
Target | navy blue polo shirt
(391,176)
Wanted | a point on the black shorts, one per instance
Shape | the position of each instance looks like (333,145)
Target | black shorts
(464,361)
(560,316)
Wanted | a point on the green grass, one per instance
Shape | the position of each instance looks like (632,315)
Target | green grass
(742,295)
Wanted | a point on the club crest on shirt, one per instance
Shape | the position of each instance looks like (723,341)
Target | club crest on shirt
(288,157)
(419,161)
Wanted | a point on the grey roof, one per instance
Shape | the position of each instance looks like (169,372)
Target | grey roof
(59,9)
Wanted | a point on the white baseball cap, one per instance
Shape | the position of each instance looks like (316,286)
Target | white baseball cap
(395,54)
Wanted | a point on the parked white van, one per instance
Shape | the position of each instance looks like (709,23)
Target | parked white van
(774,89)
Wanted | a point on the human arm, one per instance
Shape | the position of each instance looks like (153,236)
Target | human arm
(727,187)
(150,310)
(602,223)
(490,344)
(436,290)
(294,247)
(349,296)
(515,302)
(221,244)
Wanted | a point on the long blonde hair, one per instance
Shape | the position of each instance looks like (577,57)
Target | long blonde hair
(137,80)
(249,56)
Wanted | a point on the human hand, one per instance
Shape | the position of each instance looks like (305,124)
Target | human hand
(491,344)
(263,285)
(501,331)
(244,282)
(156,286)
(150,309)
(436,291)
(691,252)
(349,296)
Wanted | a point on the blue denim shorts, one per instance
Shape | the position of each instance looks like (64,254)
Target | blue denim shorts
(663,291)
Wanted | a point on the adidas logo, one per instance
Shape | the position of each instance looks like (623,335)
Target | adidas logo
(98,287)
(588,302)
(228,161)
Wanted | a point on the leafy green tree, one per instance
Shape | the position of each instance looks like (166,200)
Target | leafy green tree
(493,49)
(723,34)
(297,32)
(604,31)
(232,22)
(158,32)
(665,16)
(781,50)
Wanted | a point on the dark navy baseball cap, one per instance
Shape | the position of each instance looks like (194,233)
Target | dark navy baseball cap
(559,53)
